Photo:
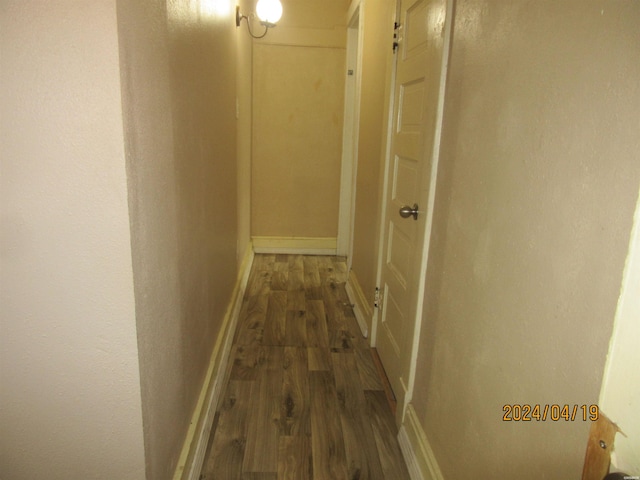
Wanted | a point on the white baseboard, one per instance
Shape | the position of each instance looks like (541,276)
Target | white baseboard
(296,245)
(416,449)
(361,308)
(195,445)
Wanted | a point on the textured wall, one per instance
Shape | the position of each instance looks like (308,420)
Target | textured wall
(178,63)
(298,102)
(69,382)
(537,186)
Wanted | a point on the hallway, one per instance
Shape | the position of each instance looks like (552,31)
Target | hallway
(303,399)
(150,148)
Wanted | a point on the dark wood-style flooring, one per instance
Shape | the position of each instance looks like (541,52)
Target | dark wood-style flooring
(303,399)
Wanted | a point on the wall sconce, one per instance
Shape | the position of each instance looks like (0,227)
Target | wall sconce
(268,12)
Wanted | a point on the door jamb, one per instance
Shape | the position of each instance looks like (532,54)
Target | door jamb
(389,106)
(348,172)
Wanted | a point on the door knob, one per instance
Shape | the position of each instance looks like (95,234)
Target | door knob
(407,211)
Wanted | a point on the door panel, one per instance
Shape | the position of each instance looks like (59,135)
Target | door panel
(399,256)
(395,319)
(405,182)
(411,113)
(415,28)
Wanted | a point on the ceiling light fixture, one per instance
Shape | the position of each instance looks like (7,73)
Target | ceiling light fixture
(268,12)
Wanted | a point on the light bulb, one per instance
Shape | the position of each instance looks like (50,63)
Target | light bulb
(269,11)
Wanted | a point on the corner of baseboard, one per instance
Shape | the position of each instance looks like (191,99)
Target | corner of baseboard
(361,309)
(295,245)
(195,444)
(416,449)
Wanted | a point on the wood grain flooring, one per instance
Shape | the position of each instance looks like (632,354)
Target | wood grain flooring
(303,398)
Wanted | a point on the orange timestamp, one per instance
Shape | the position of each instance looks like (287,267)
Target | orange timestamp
(529,413)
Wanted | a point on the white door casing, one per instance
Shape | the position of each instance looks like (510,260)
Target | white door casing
(353,80)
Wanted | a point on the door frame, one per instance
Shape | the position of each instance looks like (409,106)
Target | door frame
(386,148)
(350,132)
(434,156)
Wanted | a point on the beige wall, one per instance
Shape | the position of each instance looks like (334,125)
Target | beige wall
(538,180)
(244,98)
(69,385)
(298,98)
(179,88)
(376,58)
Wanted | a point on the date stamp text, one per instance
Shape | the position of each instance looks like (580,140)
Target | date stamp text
(555,413)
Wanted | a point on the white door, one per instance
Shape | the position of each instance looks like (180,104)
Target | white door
(415,126)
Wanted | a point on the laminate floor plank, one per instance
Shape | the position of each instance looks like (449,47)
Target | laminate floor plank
(259,283)
(313,293)
(295,281)
(367,369)
(341,294)
(351,324)
(281,264)
(336,324)
(360,446)
(228,440)
(369,377)
(294,458)
(280,281)
(245,361)
(261,449)
(326,269)
(311,274)
(263,262)
(303,395)
(310,263)
(316,318)
(253,314)
(324,262)
(296,263)
(282,258)
(386,385)
(295,328)
(327,443)
(275,321)
(342,340)
(259,476)
(319,359)
(340,269)
(296,300)
(295,409)
(385,434)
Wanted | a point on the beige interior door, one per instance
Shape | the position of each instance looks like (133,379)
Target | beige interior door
(415,103)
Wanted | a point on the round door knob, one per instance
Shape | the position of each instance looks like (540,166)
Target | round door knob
(407,211)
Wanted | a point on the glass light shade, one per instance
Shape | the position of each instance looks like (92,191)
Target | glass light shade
(269,11)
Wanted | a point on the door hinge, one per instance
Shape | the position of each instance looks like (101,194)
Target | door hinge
(377,300)
(396,26)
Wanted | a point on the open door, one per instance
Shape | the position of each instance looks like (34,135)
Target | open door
(410,176)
